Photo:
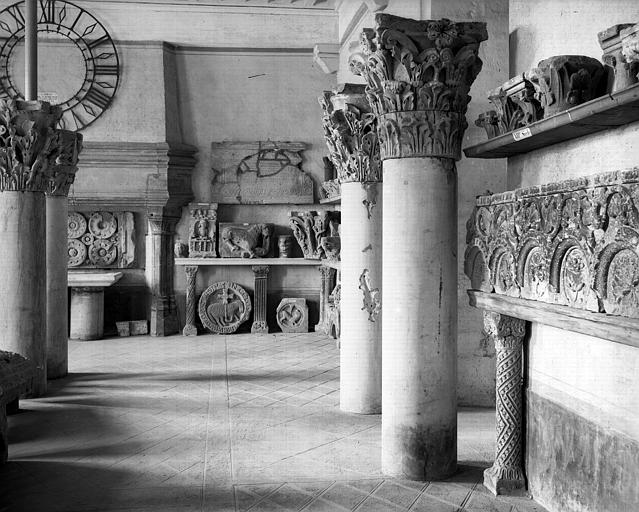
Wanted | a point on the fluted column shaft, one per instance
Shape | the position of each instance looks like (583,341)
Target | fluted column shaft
(418,76)
(259,325)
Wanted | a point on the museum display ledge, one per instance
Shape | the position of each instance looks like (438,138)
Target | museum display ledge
(331,200)
(600,114)
(337,265)
(225,262)
(614,328)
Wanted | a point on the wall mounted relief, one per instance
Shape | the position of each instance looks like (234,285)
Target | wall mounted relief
(573,243)
(101,239)
(223,307)
(267,172)
(202,230)
(246,240)
(309,229)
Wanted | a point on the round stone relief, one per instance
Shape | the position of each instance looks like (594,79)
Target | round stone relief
(76,225)
(224,306)
(77,252)
(292,315)
(622,297)
(102,224)
(102,252)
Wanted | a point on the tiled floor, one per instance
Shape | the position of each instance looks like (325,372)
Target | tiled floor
(219,423)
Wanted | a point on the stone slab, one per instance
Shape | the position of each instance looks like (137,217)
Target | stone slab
(93,279)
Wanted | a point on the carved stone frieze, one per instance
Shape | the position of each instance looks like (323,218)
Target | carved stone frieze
(574,243)
(101,239)
(624,70)
(246,240)
(350,130)
(202,230)
(292,315)
(311,227)
(418,76)
(266,172)
(630,48)
(224,306)
(564,81)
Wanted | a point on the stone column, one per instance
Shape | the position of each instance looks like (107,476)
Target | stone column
(160,272)
(418,76)
(191,276)
(27,138)
(259,299)
(351,136)
(87,313)
(63,164)
(506,476)
(327,274)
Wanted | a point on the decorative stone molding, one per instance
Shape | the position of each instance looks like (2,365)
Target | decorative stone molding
(630,48)
(202,230)
(310,227)
(506,476)
(418,76)
(266,172)
(246,240)
(564,81)
(28,139)
(625,71)
(350,130)
(101,239)
(223,307)
(573,243)
(62,156)
(292,315)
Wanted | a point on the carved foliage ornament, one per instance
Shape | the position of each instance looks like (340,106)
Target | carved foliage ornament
(418,77)
(574,243)
(311,228)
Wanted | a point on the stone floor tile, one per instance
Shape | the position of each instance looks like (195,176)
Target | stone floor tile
(344,496)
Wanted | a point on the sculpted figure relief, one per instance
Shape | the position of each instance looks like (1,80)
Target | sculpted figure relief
(574,243)
(202,230)
(246,240)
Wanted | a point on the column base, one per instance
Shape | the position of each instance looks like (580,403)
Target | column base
(164,321)
(189,330)
(259,328)
(505,481)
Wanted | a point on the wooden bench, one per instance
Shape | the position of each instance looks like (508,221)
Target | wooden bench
(16,379)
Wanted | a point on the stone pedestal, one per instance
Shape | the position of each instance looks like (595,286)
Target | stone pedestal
(259,312)
(421,120)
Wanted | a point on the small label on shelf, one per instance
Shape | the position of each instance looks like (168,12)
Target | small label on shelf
(524,133)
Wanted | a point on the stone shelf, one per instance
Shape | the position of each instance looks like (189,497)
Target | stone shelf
(248,262)
(331,200)
(600,114)
(614,328)
(337,265)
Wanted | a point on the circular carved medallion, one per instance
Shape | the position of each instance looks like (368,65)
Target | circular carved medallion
(76,225)
(102,224)
(77,253)
(290,315)
(102,252)
(504,273)
(87,238)
(622,297)
(223,307)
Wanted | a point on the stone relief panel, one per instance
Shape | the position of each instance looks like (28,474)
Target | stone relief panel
(223,307)
(246,240)
(266,172)
(101,239)
(202,230)
(292,315)
(574,243)
(311,228)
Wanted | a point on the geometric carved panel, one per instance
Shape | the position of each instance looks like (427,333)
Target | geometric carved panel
(100,239)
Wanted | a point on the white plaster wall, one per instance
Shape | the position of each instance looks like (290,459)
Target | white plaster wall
(596,378)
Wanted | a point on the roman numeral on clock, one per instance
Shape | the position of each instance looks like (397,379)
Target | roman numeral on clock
(98,98)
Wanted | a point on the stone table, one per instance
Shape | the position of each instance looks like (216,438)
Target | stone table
(87,302)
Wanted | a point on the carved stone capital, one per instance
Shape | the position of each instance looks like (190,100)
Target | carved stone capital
(418,77)
(564,81)
(506,331)
(630,50)
(62,155)
(260,271)
(351,135)
(27,138)
(625,70)
(515,104)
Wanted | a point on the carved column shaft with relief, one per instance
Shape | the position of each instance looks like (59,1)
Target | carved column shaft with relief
(506,476)
(259,299)
(327,275)
(418,76)
(350,129)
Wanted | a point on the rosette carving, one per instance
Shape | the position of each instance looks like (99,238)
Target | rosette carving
(418,77)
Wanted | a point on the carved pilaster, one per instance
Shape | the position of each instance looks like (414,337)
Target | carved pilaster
(565,81)
(625,70)
(418,77)
(350,130)
(506,476)
(160,272)
(630,49)
(259,313)
(189,324)
(326,286)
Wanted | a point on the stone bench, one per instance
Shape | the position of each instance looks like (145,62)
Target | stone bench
(16,378)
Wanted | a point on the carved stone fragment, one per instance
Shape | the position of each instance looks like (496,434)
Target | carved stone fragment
(285,246)
(630,49)
(101,239)
(202,230)
(420,107)
(624,70)
(330,185)
(515,106)
(574,243)
(267,172)
(62,154)
(246,240)
(292,315)
(564,81)
(223,307)
(310,227)
(489,121)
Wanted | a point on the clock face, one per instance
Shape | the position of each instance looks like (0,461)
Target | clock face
(78,64)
